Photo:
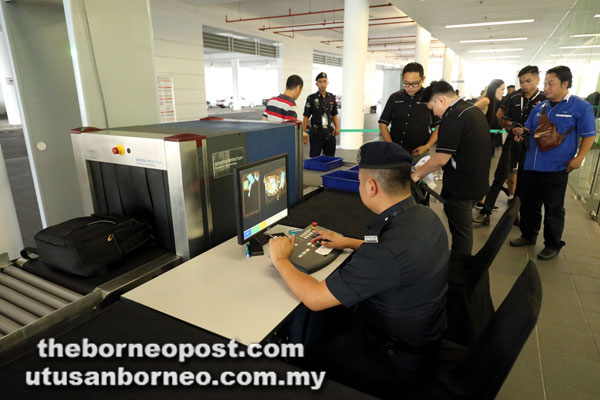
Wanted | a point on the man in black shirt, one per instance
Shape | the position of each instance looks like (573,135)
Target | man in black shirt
(513,111)
(321,109)
(411,120)
(462,152)
(395,283)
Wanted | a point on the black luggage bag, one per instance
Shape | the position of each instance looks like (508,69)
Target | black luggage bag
(87,246)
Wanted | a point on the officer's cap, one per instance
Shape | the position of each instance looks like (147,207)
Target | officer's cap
(382,155)
(321,75)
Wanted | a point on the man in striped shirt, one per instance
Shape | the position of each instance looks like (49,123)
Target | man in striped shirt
(283,107)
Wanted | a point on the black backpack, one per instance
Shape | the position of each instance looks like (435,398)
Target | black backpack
(87,246)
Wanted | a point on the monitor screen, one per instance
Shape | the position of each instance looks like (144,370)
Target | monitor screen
(261,195)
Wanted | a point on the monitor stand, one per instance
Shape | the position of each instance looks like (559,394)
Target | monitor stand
(255,245)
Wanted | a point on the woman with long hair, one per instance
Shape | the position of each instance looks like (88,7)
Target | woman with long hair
(490,103)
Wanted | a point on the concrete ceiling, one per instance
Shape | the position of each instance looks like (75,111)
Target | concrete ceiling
(555,22)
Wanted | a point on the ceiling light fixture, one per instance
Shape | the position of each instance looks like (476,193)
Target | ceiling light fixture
(575,55)
(597,16)
(493,40)
(519,21)
(591,46)
(493,58)
(494,50)
(586,35)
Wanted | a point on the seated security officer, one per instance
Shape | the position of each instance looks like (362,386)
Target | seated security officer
(395,281)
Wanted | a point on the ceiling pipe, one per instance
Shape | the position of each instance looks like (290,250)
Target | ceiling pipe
(369,39)
(324,28)
(324,23)
(298,14)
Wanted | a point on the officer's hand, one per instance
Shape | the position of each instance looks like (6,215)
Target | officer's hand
(332,240)
(574,163)
(305,137)
(419,151)
(414,177)
(337,132)
(280,248)
(517,131)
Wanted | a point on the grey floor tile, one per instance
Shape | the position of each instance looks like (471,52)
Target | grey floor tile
(583,259)
(557,312)
(553,293)
(593,318)
(557,338)
(557,278)
(570,370)
(521,386)
(590,301)
(579,268)
(577,251)
(559,391)
(587,284)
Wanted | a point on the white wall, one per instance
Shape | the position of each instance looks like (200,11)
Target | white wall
(179,53)
(9,93)
(111,42)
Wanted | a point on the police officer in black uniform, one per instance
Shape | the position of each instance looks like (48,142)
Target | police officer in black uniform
(411,120)
(395,283)
(322,110)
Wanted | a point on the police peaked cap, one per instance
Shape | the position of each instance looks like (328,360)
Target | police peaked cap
(382,155)
(321,75)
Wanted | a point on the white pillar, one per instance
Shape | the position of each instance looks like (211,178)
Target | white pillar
(10,234)
(460,84)
(356,31)
(448,64)
(8,86)
(235,82)
(422,47)
(370,90)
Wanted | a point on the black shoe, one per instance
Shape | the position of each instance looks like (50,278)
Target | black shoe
(521,242)
(547,253)
(479,205)
(482,218)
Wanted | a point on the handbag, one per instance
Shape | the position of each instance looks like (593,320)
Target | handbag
(546,135)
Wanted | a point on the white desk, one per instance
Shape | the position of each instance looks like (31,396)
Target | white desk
(225,292)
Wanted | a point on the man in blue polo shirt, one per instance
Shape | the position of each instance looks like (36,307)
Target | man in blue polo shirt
(544,178)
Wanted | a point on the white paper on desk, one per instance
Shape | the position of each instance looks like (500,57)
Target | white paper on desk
(323,250)
(429,178)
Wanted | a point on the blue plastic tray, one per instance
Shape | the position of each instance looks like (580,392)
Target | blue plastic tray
(342,180)
(323,163)
(355,168)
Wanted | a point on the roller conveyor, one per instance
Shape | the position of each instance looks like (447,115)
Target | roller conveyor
(42,284)
(24,302)
(32,291)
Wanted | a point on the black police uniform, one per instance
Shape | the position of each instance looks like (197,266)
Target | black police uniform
(516,110)
(396,283)
(464,135)
(411,120)
(321,110)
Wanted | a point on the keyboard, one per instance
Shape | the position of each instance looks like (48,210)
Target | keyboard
(306,255)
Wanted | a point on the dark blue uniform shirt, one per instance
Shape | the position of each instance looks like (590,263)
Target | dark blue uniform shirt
(400,282)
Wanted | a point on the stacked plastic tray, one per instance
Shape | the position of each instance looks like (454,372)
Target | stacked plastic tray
(342,180)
